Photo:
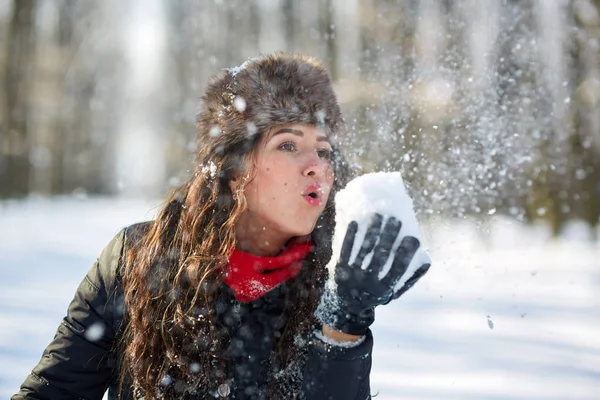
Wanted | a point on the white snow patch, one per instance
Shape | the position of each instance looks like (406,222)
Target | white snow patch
(210,170)
(255,287)
(319,335)
(236,70)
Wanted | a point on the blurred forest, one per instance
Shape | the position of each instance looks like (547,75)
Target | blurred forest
(486,106)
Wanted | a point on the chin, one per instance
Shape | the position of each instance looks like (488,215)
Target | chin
(304,233)
(299,227)
(296,230)
(307,230)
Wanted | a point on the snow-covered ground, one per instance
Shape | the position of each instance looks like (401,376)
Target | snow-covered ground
(509,314)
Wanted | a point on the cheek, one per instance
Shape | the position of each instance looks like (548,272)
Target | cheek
(329,176)
(279,174)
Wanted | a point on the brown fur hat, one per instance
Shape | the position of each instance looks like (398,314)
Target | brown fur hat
(243,102)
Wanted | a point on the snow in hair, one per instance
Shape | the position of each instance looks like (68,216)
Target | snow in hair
(233,71)
(209,170)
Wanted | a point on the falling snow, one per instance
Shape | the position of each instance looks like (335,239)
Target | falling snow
(477,115)
(95,332)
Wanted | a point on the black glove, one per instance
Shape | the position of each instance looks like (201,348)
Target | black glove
(350,307)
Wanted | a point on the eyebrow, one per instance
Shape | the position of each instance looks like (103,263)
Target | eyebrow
(298,132)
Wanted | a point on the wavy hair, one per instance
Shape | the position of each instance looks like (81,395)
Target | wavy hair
(173,343)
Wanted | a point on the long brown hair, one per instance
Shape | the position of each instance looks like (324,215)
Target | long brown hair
(173,343)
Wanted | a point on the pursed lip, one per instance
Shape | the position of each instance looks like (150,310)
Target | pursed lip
(313,194)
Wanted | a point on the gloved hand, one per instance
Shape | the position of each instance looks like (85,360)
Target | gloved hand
(349,307)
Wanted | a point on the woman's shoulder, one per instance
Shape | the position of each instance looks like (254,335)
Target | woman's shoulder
(132,235)
(127,238)
(109,267)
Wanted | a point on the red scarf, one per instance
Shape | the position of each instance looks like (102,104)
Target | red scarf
(251,277)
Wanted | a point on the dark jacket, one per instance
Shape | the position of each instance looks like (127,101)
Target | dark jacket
(79,362)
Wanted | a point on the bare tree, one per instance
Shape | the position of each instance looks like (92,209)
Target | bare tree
(14,134)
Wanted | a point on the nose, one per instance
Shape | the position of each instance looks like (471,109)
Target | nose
(316,167)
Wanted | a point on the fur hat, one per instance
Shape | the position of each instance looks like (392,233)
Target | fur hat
(270,90)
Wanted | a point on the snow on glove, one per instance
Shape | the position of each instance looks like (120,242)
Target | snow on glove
(379,258)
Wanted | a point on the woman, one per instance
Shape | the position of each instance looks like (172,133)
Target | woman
(217,296)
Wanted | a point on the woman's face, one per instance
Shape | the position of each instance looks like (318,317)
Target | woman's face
(291,181)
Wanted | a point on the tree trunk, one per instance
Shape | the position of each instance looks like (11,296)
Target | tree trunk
(14,140)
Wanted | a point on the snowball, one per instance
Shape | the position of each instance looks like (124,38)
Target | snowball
(383,193)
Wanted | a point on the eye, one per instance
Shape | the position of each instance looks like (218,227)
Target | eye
(325,153)
(287,146)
